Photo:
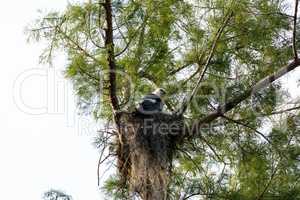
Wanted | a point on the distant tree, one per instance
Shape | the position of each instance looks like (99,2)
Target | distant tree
(56,195)
(219,61)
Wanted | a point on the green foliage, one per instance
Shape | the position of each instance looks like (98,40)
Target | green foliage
(56,195)
(251,154)
(112,188)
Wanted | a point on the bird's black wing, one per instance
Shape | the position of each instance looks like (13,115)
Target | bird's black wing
(151,103)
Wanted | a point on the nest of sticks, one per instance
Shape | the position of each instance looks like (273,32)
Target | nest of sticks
(146,146)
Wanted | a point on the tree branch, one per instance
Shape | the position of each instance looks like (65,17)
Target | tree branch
(89,27)
(85,52)
(188,99)
(124,38)
(109,45)
(260,197)
(247,126)
(283,111)
(235,101)
(82,50)
(175,71)
(212,149)
(295,29)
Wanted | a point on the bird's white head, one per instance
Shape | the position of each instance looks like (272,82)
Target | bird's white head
(159,92)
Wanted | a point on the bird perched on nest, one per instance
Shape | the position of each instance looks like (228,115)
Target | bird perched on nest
(152,103)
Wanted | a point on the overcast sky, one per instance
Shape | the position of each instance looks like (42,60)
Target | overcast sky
(43,143)
(51,149)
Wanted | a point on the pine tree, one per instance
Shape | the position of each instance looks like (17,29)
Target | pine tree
(56,195)
(219,61)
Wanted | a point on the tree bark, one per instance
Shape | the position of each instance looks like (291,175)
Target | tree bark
(109,45)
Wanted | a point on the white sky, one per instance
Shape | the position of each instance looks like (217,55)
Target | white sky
(38,152)
(52,149)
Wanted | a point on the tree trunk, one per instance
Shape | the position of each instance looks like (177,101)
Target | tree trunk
(146,148)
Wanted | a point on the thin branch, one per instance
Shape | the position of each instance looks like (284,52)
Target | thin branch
(140,42)
(125,48)
(295,29)
(89,75)
(246,94)
(89,27)
(77,45)
(200,64)
(188,99)
(98,166)
(247,126)
(100,23)
(283,111)
(192,160)
(42,28)
(124,38)
(222,77)
(212,149)
(198,194)
(57,29)
(52,47)
(260,197)
(175,71)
